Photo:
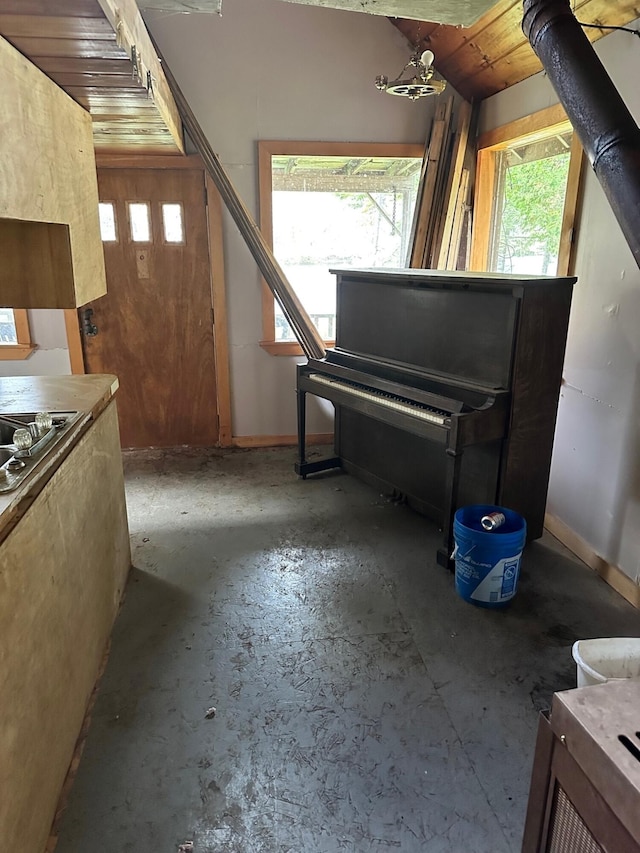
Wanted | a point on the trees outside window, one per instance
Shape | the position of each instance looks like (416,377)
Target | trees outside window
(527,181)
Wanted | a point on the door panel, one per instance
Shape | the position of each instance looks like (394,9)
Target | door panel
(155,325)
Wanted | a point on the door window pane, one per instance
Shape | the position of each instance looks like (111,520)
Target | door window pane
(107,215)
(139,222)
(173,228)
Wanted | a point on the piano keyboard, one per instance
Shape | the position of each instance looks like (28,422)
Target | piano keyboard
(398,404)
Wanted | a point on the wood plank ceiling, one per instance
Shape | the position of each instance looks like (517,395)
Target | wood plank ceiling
(85,46)
(493,53)
(75,43)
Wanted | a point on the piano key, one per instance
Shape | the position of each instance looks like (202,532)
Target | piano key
(371,374)
(389,401)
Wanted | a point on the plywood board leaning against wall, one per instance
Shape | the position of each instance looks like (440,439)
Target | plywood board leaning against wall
(47,174)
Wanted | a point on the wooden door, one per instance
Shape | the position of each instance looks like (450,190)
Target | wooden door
(154,328)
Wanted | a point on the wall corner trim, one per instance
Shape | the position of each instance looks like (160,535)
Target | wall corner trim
(614,576)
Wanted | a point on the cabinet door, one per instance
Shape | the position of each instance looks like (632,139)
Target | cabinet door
(566,814)
(49,227)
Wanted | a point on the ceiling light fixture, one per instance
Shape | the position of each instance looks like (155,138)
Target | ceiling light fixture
(419,80)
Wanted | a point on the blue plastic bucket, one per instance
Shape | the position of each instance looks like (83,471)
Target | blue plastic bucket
(487,562)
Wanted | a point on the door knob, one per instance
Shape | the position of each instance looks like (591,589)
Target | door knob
(88,328)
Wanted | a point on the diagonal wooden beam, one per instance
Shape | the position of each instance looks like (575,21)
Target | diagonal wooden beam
(300,322)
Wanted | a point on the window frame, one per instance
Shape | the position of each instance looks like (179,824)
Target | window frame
(25,346)
(531,128)
(268,148)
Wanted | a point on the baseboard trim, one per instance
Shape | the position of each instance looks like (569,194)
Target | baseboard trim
(246,441)
(614,576)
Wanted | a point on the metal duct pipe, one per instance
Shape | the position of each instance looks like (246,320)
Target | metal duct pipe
(606,128)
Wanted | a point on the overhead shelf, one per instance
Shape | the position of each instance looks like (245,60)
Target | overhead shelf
(101,54)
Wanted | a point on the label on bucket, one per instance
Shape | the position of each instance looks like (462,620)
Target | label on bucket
(499,584)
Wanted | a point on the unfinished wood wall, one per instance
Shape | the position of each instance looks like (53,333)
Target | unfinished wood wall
(47,174)
(62,572)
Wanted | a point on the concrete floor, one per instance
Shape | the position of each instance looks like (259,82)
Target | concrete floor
(360,704)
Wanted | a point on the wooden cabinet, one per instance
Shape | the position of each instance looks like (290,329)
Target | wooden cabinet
(49,228)
(585,784)
(63,567)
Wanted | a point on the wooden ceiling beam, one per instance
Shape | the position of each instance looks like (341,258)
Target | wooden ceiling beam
(82,79)
(116,109)
(63,8)
(34,48)
(84,65)
(74,28)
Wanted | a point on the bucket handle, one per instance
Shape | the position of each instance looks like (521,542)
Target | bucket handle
(456,551)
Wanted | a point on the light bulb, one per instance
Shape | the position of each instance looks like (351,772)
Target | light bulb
(427,58)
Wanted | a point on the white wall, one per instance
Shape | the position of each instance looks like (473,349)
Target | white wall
(52,356)
(271,70)
(595,476)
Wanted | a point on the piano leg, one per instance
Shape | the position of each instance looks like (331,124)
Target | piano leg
(301,397)
(454,461)
(302,467)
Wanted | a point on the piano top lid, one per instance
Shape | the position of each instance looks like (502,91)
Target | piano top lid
(453,279)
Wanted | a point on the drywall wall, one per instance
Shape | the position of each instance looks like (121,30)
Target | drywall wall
(595,475)
(51,358)
(271,70)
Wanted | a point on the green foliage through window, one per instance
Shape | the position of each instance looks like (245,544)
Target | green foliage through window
(528,210)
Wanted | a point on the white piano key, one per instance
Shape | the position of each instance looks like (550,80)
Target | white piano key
(416,410)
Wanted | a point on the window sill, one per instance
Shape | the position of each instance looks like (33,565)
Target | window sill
(16,352)
(287,348)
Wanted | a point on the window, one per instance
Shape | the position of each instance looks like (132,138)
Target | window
(139,222)
(527,189)
(332,205)
(107,214)
(173,228)
(15,336)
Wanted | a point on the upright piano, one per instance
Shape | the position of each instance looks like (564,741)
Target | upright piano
(445,387)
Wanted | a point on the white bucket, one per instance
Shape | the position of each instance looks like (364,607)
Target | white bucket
(606,659)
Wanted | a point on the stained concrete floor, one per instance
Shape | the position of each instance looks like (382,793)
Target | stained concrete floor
(360,704)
